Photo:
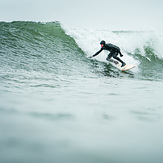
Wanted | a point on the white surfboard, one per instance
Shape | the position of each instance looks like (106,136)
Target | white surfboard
(128,66)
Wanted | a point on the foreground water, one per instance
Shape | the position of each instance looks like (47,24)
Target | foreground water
(58,106)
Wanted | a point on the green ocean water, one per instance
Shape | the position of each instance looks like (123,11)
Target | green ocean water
(58,106)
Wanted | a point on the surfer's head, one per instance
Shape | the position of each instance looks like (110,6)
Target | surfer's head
(102,43)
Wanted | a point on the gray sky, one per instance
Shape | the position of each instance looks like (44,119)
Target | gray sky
(97,14)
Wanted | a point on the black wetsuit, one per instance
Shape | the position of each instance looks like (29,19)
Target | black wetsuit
(114,51)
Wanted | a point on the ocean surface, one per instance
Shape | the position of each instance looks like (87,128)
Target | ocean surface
(58,106)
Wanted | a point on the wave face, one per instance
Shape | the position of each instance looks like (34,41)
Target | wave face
(41,47)
(50,48)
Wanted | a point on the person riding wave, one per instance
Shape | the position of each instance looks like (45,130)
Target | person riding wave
(114,51)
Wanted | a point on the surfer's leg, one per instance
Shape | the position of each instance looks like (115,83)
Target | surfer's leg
(111,60)
(117,58)
(109,56)
(123,63)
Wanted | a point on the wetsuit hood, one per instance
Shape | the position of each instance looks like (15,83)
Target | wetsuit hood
(103,42)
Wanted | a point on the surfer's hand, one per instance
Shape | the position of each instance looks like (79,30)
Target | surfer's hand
(121,55)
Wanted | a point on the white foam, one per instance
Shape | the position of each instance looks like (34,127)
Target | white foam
(88,40)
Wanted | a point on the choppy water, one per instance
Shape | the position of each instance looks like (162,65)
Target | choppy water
(59,106)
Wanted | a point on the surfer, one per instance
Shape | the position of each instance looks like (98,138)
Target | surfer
(114,51)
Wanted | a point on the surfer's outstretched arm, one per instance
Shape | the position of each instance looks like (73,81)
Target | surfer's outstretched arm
(96,53)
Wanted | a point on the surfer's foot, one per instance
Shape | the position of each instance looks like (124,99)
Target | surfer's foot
(123,64)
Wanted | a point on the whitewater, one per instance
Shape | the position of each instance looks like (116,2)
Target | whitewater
(57,105)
